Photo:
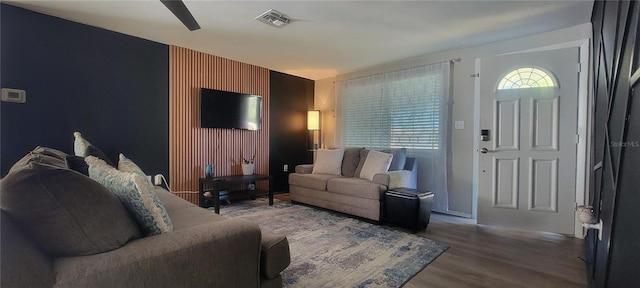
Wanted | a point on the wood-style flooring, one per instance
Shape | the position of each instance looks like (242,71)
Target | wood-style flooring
(487,256)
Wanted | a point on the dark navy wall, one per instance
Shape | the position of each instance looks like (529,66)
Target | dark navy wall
(111,87)
(291,97)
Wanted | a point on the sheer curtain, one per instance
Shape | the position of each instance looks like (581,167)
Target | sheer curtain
(402,109)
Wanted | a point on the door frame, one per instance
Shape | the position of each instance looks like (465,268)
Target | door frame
(584,120)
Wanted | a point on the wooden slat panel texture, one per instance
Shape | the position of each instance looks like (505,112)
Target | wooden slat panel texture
(191,148)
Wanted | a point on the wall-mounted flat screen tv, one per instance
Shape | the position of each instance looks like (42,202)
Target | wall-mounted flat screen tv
(232,110)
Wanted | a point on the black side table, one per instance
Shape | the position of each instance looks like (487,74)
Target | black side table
(408,207)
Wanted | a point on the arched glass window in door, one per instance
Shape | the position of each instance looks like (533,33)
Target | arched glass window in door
(526,77)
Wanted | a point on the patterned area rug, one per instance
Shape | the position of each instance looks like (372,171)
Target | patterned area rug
(332,250)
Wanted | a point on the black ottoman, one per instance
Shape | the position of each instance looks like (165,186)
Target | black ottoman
(409,208)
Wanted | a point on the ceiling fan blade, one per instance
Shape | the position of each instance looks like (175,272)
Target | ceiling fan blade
(178,8)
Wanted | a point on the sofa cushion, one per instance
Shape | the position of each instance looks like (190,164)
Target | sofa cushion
(274,254)
(136,193)
(19,255)
(184,214)
(171,201)
(376,162)
(312,181)
(351,160)
(356,187)
(399,158)
(65,212)
(328,162)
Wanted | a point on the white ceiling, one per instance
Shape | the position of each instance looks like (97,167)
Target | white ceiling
(325,38)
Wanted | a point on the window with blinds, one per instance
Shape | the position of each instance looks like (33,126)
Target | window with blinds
(402,109)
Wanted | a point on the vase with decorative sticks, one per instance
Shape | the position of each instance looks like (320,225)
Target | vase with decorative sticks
(248,165)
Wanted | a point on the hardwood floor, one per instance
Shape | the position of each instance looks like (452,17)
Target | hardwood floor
(487,256)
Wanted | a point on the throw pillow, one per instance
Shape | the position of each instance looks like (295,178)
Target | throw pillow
(34,157)
(77,163)
(328,162)
(50,152)
(127,165)
(136,193)
(82,148)
(376,162)
(363,157)
(64,212)
(399,158)
(351,160)
(80,145)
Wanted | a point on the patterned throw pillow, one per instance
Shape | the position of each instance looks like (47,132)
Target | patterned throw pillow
(136,194)
(127,165)
(82,148)
(80,145)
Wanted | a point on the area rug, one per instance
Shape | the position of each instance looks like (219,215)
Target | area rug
(332,250)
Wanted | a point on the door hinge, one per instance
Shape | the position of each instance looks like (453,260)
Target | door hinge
(579,67)
(475,75)
(577,138)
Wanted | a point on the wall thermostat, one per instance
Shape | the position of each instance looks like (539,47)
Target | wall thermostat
(14,95)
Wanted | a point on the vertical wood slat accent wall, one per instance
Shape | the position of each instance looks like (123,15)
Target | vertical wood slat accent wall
(191,148)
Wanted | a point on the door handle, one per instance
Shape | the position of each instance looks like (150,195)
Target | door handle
(485,151)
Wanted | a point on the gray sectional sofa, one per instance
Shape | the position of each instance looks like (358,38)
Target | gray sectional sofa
(59,228)
(346,191)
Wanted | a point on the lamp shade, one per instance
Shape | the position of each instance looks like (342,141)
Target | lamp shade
(313,120)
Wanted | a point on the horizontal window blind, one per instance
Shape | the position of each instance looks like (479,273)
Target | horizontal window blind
(401,109)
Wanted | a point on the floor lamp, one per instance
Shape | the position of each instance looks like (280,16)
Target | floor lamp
(313,126)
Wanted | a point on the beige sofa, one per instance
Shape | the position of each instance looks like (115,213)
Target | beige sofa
(348,193)
(203,249)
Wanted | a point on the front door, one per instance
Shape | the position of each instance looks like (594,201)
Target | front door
(528,122)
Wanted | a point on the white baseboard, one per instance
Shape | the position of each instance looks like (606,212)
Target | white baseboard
(455,213)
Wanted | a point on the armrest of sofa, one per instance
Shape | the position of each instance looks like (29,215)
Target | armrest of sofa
(382,179)
(408,177)
(222,254)
(400,178)
(304,169)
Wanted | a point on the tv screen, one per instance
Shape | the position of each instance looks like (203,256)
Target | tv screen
(225,109)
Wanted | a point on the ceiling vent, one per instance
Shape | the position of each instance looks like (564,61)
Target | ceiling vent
(273,18)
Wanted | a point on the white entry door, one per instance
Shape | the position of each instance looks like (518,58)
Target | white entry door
(527,164)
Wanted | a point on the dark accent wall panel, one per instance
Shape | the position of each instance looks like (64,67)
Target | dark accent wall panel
(291,97)
(111,87)
(613,261)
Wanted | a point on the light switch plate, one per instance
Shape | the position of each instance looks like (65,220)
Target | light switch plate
(458,125)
